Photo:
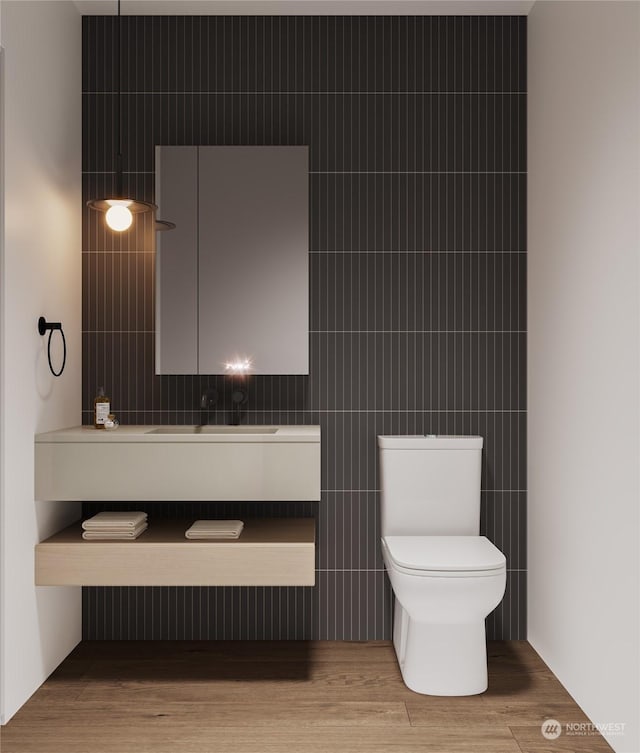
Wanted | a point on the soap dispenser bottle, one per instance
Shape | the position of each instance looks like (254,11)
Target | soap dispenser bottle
(101,409)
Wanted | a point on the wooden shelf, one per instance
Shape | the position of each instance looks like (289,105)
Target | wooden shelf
(269,552)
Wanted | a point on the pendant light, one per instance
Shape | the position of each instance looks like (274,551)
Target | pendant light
(120,208)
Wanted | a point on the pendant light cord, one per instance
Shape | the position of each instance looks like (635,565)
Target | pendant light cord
(119,180)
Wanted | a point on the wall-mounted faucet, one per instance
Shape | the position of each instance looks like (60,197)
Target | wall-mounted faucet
(208,402)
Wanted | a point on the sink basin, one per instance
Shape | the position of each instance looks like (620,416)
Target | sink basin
(214,430)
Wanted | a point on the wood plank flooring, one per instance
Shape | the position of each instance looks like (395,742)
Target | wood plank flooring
(284,697)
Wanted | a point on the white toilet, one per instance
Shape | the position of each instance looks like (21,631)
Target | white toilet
(446,578)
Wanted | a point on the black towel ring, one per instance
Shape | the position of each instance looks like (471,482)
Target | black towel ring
(43,326)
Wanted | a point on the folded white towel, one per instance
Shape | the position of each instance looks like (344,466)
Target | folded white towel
(118,520)
(106,535)
(116,529)
(215,529)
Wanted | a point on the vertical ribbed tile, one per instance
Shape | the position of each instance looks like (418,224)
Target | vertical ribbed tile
(416,128)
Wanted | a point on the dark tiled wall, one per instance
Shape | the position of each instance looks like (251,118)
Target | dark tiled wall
(416,128)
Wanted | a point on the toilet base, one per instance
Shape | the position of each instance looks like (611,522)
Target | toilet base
(441,659)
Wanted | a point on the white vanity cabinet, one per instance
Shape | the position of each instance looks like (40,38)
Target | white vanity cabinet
(178,463)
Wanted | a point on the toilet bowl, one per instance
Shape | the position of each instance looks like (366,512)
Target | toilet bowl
(445,577)
(439,610)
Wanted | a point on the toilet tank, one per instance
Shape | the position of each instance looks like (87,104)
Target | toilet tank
(430,485)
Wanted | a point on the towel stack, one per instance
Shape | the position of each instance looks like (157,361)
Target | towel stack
(215,529)
(114,525)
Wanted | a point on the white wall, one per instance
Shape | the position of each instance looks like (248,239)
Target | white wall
(41,274)
(584,378)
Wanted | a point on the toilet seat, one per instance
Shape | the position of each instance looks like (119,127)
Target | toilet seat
(444,555)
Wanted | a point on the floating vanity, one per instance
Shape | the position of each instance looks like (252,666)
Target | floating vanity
(179,463)
(270,552)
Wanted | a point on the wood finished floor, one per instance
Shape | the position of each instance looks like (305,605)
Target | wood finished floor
(284,697)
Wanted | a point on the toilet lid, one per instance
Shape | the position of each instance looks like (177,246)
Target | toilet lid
(444,553)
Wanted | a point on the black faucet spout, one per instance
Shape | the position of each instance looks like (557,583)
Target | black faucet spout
(209,399)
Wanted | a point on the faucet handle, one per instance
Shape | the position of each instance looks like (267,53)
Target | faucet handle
(209,398)
(239,396)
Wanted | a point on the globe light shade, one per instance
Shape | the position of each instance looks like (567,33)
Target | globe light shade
(118,216)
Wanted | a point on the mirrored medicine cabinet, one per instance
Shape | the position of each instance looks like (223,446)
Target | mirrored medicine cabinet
(232,279)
